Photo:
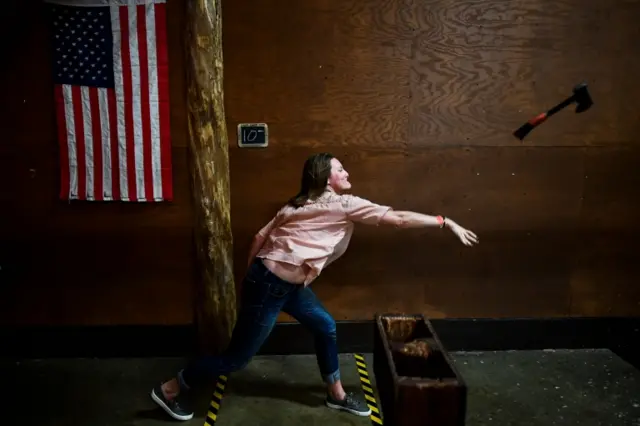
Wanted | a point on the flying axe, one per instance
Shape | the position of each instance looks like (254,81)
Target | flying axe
(580,96)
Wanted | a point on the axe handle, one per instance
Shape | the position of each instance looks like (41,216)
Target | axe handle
(524,130)
(562,105)
(540,118)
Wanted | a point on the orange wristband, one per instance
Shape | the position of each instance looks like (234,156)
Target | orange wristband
(440,220)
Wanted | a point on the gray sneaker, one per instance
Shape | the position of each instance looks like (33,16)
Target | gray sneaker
(350,403)
(175,407)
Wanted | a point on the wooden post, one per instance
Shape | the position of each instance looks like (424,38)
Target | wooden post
(209,162)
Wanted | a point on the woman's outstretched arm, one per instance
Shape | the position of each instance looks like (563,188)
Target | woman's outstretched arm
(364,211)
(409,219)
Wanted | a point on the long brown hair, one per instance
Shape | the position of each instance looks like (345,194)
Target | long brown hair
(315,174)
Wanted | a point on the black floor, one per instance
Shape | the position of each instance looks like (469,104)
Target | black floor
(562,387)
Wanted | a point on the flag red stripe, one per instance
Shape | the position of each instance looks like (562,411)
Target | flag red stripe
(96,131)
(144,102)
(62,142)
(128,102)
(163,99)
(115,151)
(81,169)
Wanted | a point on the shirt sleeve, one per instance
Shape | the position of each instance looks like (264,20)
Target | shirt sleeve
(364,211)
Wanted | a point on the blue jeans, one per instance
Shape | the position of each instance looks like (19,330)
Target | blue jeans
(264,295)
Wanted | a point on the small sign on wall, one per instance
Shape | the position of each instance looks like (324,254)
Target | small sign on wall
(253,135)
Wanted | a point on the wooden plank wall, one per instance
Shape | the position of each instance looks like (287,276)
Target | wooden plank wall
(419,99)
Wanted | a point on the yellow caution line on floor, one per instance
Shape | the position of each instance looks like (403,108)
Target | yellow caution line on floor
(367,388)
(216,400)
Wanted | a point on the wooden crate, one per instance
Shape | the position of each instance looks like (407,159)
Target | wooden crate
(415,390)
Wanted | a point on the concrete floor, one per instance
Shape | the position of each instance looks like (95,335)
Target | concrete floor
(584,387)
(558,387)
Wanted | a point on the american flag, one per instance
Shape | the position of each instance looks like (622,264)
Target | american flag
(110,70)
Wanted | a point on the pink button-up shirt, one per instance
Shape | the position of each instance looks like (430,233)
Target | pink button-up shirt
(317,233)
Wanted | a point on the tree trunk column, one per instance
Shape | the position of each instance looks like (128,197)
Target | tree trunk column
(209,162)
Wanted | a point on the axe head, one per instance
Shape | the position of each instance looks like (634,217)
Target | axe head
(581,97)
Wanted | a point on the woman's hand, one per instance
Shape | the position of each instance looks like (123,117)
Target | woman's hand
(467,237)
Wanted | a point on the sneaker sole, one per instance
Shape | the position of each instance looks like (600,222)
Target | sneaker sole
(340,407)
(158,401)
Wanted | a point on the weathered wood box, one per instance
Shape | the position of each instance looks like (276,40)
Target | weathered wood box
(417,381)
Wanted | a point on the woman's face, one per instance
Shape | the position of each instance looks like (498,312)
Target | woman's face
(339,178)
